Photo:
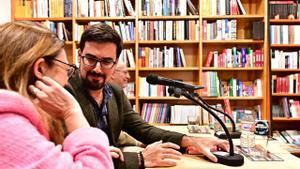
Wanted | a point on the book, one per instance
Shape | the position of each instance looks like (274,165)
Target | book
(182,57)
(227,107)
(209,59)
(130,57)
(258,30)
(192,8)
(240,5)
(129,7)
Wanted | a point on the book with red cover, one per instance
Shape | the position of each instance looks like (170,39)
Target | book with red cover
(209,59)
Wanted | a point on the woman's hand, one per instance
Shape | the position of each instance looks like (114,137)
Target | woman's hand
(58,102)
(54,99)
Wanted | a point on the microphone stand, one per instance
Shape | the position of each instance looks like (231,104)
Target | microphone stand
(220,134)
(177,92)
(230,159)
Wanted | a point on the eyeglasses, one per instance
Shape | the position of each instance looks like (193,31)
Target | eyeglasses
(106,63)
(71,69)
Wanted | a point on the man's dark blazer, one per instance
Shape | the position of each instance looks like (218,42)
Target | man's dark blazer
(120,117)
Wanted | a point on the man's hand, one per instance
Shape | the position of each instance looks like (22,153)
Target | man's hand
(116,153)
(197,145)
(160,154)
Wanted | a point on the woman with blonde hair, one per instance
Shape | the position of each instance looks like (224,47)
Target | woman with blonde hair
(33,63)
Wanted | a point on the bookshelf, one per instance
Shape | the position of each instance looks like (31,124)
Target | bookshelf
(284,65)
(193,44)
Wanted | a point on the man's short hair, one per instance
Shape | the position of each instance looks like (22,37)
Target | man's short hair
(102,33)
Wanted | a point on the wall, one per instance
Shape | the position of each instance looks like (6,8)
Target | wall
(5,11)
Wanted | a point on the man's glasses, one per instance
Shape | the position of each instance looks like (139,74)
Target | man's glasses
(106,63)
(71,67)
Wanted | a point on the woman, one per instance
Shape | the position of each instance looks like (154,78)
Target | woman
(33,63)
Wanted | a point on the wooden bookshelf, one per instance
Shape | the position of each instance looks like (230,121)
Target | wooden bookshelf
(44,19)
(283,123)
(284,21)
(285,46)
(286,70)
(195,50)
(247,17)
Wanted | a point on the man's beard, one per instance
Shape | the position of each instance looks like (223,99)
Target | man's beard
(94,85)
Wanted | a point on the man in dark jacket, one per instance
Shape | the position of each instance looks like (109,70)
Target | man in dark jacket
(105,106)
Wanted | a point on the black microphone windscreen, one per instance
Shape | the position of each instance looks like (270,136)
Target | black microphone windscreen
(152,79)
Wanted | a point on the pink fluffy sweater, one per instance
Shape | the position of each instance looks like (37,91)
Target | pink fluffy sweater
(24,142)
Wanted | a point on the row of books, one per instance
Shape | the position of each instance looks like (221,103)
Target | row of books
(127,57)
(125,29)
(59,28)
(98,8)
(288,136)
(286,84)
(169,30)
(232,88)
(237,114)
(155,113)
(43,8)
(161,57)
(178,114)
(221,29)
(289,108)
(79,29)
(284,34)
(223,7)
(167,8)
(151,30)
(148,90)
(129,90)
(233,57)
(285,59)
(283,9)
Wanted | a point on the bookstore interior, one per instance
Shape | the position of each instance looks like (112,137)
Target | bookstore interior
(244,54)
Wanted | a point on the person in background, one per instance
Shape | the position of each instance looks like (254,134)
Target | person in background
(121,77)
(34,105)
(105,106)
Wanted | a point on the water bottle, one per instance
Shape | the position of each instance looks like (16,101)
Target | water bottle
(247,130)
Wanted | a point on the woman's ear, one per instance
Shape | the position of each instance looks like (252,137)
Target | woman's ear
(39,68)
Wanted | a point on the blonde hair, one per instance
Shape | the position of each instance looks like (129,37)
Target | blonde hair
(22,44)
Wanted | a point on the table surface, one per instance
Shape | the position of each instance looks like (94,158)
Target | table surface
(193,162)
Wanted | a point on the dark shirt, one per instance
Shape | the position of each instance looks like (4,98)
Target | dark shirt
(102,109)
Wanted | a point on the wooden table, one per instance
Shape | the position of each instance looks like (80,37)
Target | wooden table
(196,162)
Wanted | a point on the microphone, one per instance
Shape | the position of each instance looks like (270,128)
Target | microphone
(231,158)
(154,79)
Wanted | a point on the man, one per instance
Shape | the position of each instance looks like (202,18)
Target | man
(105,106)
(121,75)
(121,78)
